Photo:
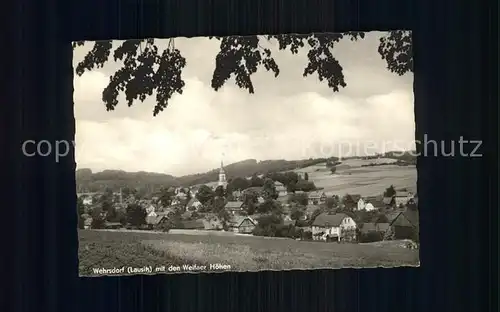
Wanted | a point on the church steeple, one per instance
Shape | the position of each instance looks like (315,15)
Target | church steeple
(222,175)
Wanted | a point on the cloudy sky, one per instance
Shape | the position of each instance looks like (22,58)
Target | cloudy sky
(288,117)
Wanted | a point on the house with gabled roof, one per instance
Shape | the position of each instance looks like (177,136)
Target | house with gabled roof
(234,207)
(280,188)
(377,202)
(155,220)
(401,198)
(194,203)
(404,224)
(316,197)
(333,226)
(242,224)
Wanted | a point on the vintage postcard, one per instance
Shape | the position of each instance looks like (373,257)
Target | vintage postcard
(268,152)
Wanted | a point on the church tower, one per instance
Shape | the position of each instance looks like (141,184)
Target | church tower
(222,176)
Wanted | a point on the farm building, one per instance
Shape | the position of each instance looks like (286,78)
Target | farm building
(241,224)
(87,200)
(316,197)
(376,201)
(337,226)
(280,188)
(361,205)
(153,221)
(401,198)
(87,223)
(403,224)
(234,207)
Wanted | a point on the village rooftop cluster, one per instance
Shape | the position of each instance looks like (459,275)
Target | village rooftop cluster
(283,204)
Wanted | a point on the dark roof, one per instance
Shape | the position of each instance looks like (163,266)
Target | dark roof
(234,204)
(392,215)
(407,218)
(326,220)
(237,221)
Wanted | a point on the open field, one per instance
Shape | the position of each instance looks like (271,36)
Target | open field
(108,249)
(352,178)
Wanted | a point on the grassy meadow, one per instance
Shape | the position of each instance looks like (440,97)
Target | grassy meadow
(108,249)
(352,178)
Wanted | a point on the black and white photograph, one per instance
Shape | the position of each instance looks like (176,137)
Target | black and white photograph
(254,153)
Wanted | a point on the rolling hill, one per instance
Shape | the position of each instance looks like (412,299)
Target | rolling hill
(86,180)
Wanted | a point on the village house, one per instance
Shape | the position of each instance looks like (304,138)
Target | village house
(316,197)
(194,204)
(87,223)
(403,224)
(361,205)
(234,207)
(338,226)
(242,224)
(154,220)
(401,198)
(413,202)
(374,203)
(280,188)
(176,201)
(150,209)
(193,190)
(87,200)
(151,213)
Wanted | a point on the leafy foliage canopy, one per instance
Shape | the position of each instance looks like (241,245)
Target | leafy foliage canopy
(146,70)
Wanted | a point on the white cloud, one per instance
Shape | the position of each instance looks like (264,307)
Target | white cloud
(288,117)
